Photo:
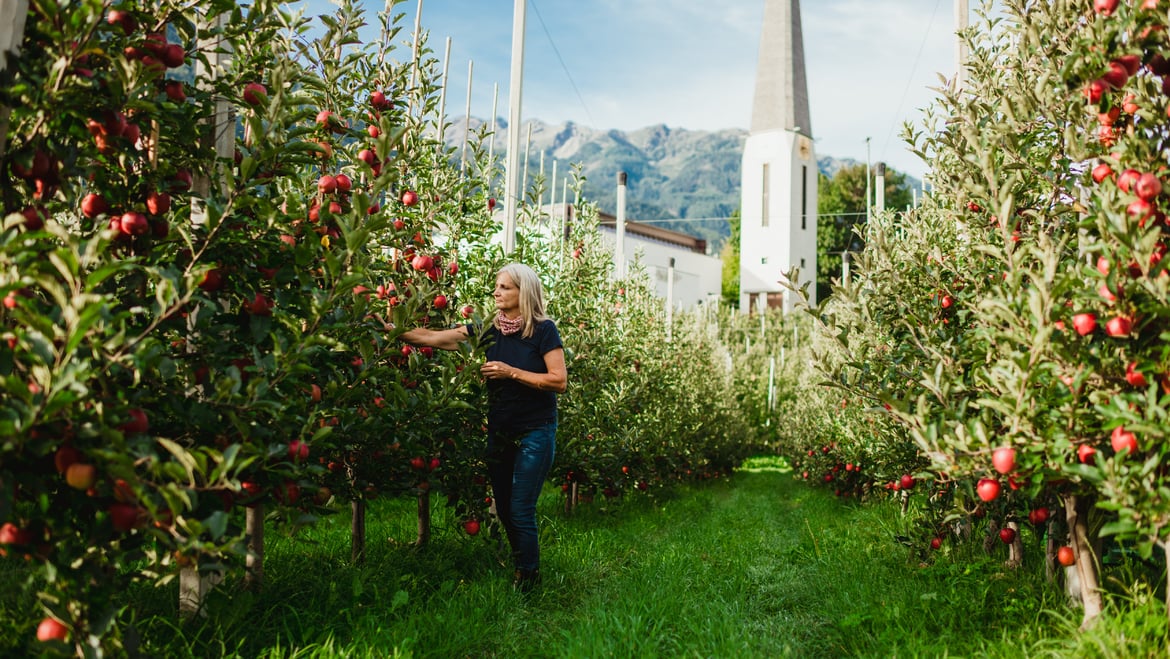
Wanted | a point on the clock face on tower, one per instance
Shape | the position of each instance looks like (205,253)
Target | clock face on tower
(805,146)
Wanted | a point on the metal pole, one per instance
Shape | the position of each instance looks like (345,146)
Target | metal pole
(772,382)
(514,96)
(466,119)
(879,188)
(620,248)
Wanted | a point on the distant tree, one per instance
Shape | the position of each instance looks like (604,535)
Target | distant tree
(730,256)
(841,207)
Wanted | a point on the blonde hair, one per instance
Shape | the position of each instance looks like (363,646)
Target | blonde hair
(531,295)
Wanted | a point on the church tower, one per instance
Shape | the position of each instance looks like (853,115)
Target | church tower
(778,210)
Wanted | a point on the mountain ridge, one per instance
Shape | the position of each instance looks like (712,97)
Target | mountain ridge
(677,178)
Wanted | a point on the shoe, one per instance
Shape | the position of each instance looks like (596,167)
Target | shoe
(525,580)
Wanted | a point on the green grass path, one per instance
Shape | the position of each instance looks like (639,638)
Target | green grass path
(755,566)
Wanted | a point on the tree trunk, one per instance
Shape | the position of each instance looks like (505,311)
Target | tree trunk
(424,518)
(1050,548)
(1016,548)
(992,538)
(254,531)
(1076,510)
(357,532)
(905,502)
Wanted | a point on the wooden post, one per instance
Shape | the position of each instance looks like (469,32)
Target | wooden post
(254,532)
(357,532)
(1016,548)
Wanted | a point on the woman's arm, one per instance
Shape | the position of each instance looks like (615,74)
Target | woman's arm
(444,339)
(556,379)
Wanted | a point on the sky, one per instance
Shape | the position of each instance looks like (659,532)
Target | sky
(627,64)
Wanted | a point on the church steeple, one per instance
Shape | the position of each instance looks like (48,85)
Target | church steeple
(781,100)
(778,210)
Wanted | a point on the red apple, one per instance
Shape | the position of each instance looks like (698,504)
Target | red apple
(1119,326)
(123,19)
(64,457)
(259,306)
(987,489)
(158,203)
(174,90)
(1007,535)
(422,262)
(327,184)
(1127,179)
(212,280)
(1004,459)
(440,302)
(81,476)
(1134,377)
(1065,556)
(935,542)
(133,224)
(1038,516)
(418,463)
(124,516)
(138,423)
(1086,454)
(93,205)
(344,184)
(1085,323)
(466,311)
(1105,7)
(409,198)
(907,482)
(1148,187)
(379,101)
(1101,172)
(52,629)
(1123,441)
(298,450)
(471,526)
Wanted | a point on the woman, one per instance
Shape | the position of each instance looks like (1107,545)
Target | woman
(525,370)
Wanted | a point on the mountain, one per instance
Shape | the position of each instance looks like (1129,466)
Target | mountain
(684,180)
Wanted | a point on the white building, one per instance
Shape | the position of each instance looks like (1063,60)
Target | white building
(779,202)
(677,263)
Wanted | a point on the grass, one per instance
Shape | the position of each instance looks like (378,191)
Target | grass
(755,566)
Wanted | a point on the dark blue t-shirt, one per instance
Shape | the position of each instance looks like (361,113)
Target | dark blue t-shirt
(512,406)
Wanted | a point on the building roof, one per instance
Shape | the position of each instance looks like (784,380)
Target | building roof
(677,238)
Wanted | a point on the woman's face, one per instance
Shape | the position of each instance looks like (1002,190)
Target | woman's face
(507,295)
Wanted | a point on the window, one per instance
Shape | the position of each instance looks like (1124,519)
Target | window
(764,197)
(803,198)
(802,263)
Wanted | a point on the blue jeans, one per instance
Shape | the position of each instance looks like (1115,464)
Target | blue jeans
(517,469)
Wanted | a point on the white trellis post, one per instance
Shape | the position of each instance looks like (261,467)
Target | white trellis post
(466,120)
(492,136)
(619,251)
(519,8)
(669,299)
(552,189)
(194,585)
(12,17)
(527,150)
(414,57)
(443,97)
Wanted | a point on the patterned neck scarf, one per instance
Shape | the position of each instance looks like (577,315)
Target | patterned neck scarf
(508,325)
